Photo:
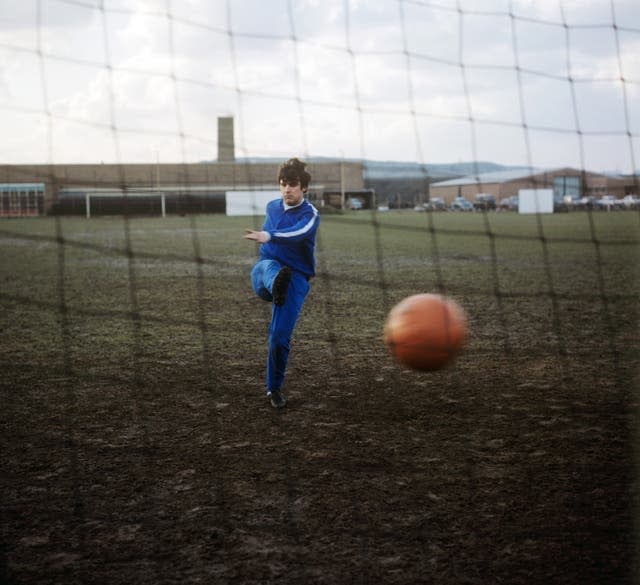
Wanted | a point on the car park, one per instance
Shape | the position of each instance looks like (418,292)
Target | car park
(461,204)
(509,203)
(609,202)
(572,202)
(484,202)
(631,201)
(587,202)
(436,204)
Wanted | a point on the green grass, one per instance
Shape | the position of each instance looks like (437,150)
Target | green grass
(105,274)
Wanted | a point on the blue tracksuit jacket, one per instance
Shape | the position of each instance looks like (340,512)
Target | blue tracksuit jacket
(293,236)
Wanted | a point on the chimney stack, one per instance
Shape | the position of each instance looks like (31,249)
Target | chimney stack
(226,146)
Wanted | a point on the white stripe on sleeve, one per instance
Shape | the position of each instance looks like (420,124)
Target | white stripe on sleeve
(303,230)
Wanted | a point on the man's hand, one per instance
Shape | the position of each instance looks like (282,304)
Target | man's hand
(257,236)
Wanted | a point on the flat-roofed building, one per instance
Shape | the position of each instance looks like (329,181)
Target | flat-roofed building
(208,179)
(565,182)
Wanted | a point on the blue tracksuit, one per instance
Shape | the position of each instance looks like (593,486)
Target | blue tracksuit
(292,241)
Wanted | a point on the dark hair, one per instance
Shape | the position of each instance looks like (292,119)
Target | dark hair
(294,170)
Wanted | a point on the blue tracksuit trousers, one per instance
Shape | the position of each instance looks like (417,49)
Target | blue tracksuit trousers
(283,318)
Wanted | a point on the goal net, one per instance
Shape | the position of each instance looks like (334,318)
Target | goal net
(139,337)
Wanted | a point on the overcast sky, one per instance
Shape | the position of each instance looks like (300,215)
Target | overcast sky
(520,82)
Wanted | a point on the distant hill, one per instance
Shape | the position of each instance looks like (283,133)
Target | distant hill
(410,170)
(376,169)
(402,184)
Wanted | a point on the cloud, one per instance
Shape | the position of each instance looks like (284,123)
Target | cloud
(393,79)
(23,15)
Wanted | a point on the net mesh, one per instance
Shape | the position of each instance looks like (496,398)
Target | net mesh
(134,355)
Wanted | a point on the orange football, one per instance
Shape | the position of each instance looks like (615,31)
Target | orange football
(425,331)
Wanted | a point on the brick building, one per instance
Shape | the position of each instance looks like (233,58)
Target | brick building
(566,182)
(51,188)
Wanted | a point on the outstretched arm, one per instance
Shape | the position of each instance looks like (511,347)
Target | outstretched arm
(257,236)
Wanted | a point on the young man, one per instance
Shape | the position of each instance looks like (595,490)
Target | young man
(287,263)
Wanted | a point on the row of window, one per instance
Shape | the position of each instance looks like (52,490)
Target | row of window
(17,203)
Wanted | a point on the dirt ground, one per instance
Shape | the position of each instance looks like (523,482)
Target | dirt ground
(441,478)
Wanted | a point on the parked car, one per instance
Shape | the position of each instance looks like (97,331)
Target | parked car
(588,202)
(609,202)
(572,201)
(461,204)
(509,203)
(436,204)
(484,202)
(355,203)
(631,201)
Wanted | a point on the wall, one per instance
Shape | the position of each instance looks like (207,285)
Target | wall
(596,184)
(219,176)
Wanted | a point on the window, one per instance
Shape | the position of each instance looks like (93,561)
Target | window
(566,187)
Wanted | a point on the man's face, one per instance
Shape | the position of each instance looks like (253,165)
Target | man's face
(291,191)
